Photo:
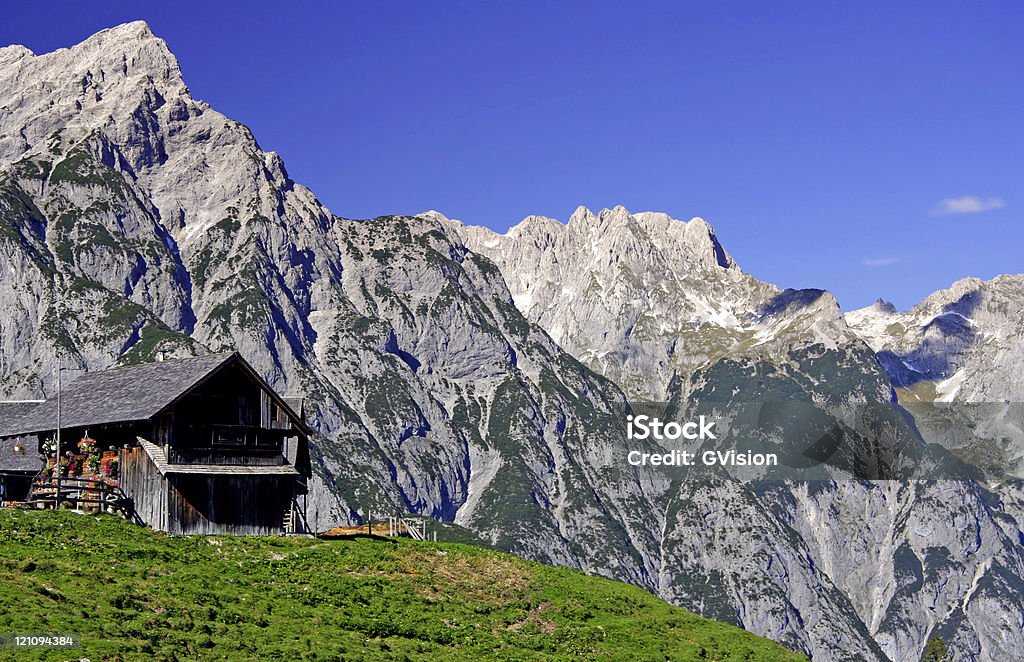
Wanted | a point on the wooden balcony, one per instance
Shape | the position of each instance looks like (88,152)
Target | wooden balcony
(226,444)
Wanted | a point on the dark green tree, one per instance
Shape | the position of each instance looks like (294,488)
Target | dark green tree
(935,651)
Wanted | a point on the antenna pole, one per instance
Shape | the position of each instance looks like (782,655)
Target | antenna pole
(56,464)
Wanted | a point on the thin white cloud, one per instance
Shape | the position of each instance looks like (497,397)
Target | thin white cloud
(967,204)
(879,262)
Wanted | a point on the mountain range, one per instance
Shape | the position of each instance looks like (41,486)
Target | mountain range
(483,379)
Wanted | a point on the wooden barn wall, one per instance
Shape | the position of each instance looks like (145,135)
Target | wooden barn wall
(143,484)
(237,505)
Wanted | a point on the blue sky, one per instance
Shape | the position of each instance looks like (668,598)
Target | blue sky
(872,149)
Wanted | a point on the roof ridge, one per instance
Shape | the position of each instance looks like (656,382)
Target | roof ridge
(224,355)
(73,382)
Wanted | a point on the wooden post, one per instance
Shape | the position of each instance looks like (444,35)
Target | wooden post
(56,465)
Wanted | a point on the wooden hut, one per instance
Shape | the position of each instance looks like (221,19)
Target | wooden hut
(204,444)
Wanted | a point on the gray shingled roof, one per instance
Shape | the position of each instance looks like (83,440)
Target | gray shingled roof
(11,414)
(29,461)
(132,393)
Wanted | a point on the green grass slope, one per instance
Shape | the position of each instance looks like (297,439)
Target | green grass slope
(132,594)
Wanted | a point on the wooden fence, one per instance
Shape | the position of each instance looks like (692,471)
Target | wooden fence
(89,494)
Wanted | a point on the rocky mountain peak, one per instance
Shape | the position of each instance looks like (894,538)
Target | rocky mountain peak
(535,225)
(13,52)
(617,214)
(613,236)
(434,214)
(582,215)
(790,301)
(126,38)
(127,50)
(640,297)
(58,98)
(126,33)
(961,343)
(883,306)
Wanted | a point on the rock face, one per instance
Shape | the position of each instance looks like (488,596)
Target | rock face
(955,360)
(963,344)
(481,379)
(641,297)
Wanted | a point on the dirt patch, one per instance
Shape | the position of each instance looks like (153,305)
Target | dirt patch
(536,617)
(484,578)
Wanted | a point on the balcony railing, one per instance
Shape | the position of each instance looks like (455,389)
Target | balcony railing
(225,444)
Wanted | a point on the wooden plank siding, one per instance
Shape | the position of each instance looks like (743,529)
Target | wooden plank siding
(237,505)
(145,486)
(205,504)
